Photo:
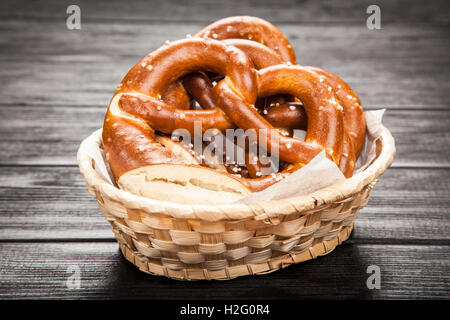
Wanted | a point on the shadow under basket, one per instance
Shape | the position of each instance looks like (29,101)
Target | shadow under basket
(194,242)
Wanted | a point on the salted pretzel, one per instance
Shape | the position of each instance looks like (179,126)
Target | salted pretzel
(281,114)
(153,100)
(267,46)
(251,28)
(354,122)
(277,49)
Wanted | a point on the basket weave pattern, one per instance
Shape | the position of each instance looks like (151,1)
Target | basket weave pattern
(195,249)
(164,241)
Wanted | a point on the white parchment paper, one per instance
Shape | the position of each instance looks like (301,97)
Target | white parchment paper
(93,150)
(319,173)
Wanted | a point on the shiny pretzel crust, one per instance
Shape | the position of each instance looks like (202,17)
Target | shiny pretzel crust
(156,94)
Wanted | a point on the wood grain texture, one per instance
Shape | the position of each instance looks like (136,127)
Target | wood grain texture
(44,63)
(53,203)
(279,11)
(39,270)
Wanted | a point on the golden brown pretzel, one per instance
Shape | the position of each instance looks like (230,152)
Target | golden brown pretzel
(284,117)
(288,115)
(251,28)
(156,95)
(126,140)
(177,96)
(268,46)
(354,121)
(274,48)
(325,127)
(325,119)
(281,114)
(142,89)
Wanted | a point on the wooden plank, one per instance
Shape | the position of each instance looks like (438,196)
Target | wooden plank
(44,63)
(407,205)
(197,10)
(57,133)
(51,135)
(40,270)
(42,203)
(49,203)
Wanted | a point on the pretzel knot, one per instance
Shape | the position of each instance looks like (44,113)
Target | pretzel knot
(247,84)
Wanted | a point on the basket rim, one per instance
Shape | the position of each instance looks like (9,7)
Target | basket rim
(258,211)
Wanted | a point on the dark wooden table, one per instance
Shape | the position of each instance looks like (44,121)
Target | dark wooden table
(56,84)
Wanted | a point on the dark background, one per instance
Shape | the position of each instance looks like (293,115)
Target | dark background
(55,87)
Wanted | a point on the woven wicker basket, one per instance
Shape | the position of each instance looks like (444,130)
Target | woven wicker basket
(193,242)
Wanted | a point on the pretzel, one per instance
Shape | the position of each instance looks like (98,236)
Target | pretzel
(258,31)
(156,93)
(354,121)
(151,77)
(283,115)
(256,37)
(251,28)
